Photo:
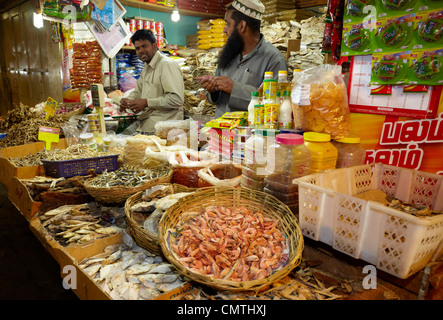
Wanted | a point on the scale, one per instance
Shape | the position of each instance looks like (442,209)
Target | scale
(98,101)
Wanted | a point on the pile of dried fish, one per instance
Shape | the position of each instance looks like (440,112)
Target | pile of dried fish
(76,151)
(16,115)
(377,195)
(129,176)
(127,272)
(154,202)
(27,131)
(79,224)
(301,284)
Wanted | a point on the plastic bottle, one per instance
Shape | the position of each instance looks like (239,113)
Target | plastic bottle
(283,84)
(254,101)
(350,152)
(254,164)
(288,159)
(285,111)
(324,154)
(268,75)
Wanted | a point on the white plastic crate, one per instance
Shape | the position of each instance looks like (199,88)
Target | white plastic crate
(396,242)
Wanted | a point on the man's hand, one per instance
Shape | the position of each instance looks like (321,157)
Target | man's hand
(124,103)
(224,84)
(138,105)
(208,83)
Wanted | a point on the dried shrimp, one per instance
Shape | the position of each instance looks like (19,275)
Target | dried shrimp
(230,243)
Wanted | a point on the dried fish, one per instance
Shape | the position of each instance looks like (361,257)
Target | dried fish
(137,281)
(129,176)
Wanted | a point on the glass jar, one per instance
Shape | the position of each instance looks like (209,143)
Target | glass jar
(288,159)
(255,161)
(350,152)
(324,154)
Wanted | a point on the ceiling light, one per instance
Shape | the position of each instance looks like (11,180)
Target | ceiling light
(38,20)
(175,16)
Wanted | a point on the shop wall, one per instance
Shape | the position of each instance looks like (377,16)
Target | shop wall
(29,59)
(175,31)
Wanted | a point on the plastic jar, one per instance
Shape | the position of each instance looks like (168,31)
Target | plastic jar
(288,159)
(324,154)
(255,161)
(350,152)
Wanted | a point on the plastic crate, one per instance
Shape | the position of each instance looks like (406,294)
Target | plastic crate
(396,242)
(79,167)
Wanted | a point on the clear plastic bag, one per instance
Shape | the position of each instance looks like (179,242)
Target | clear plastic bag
(320,101)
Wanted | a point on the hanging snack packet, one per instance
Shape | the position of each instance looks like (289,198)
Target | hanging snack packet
(398,5)
(389,68)
(394,33)
(321,93)
(356,40)
(426,67)
(428,30)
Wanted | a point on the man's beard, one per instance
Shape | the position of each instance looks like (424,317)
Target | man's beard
(232,48)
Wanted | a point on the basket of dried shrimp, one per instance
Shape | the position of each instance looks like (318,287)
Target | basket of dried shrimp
(117,186)
(233,239)
(144,209)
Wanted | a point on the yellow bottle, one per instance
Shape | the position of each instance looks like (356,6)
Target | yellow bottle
(282,84)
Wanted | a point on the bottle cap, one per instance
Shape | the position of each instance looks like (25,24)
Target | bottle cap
(289,138)
(283,72)
(349,139)
(269,73)
(317,136)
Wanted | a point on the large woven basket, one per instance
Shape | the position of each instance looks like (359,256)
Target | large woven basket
(232,197)
(143,237)
(119,194)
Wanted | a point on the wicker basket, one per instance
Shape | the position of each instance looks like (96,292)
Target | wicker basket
(119,194)
(233,197)
(143,237)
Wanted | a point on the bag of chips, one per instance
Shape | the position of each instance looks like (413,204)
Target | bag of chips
(319,97)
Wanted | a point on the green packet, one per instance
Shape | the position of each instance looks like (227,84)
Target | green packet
(428,29)
(389,68)
(50,8)
(429,4)
(357,11)
(394,34)
(389,8)
(426,67)
(356,39)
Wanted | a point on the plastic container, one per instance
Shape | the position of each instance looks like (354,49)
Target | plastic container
(285,112)
(79,167)
(282,83)
(288,159)
(324,154)
(350,152)
(256,148)
(396,242)
(86,138)
(255,99)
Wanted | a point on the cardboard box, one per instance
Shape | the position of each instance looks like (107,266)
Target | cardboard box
(309,3)
(87,288)
(293,46)
(8,170)
(20,197)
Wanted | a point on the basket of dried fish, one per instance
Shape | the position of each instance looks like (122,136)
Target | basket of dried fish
(233,239)
(144,210)
(117,186)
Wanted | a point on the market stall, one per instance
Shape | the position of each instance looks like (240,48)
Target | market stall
(331,177)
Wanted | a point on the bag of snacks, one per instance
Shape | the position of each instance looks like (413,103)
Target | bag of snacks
(320,101)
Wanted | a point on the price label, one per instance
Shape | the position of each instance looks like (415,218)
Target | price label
(49,135)
(50,107)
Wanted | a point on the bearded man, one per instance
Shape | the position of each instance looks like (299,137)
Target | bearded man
(243,60)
